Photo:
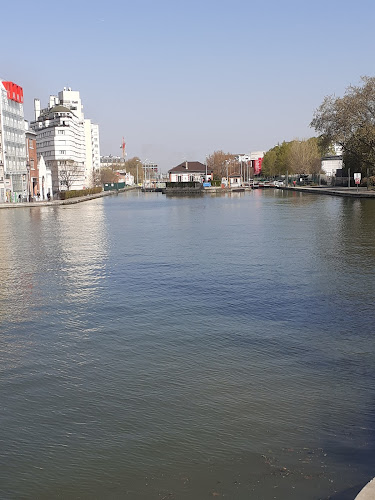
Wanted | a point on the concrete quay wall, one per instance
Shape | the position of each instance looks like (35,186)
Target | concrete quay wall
(351,192)
(70,201)
(368,492)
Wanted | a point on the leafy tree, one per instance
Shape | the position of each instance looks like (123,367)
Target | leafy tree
(134,165)
(298,156)
(325,146)
(304,156)
(350,122)
(269,163)
(282,163)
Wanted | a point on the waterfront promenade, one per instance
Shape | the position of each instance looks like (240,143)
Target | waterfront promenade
(351,192)
(368,492)
(70,201)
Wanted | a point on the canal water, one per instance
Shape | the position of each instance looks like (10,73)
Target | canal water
(188,348)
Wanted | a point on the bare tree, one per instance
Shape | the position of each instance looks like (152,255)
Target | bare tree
(107,175)
(69,173)
(218,163)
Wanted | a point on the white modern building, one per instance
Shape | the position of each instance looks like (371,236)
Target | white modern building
(331,163)
(68,142)
(13,171)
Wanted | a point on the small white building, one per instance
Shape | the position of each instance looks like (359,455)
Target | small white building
(330,164)
(235,180)
(190,171)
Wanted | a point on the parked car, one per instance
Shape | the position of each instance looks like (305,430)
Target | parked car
(279,184)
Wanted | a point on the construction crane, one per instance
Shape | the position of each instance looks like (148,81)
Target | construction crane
(123,149)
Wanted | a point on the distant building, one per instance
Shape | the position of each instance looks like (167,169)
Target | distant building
(250,164)
(113,162)
(189,171)
(150,173)
(125,177)
(31,163)
(330,164)
(68,142)
(235,180)
(13,171)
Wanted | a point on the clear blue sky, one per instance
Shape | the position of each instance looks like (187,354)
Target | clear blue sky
(180,79)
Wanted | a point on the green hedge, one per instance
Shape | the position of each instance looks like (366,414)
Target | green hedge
(65,195)
(216,182)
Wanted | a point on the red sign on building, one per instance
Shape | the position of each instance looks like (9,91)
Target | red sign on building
(15,92)
(258,166)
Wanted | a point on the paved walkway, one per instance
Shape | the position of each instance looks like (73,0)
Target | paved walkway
(70,201)
(368,492)
(351,192)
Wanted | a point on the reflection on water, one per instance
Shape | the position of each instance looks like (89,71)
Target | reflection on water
(187,348)
(43,246)
(83,250)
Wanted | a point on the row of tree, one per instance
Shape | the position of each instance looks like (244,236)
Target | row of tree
(295,157)
(347,121)
(298,156)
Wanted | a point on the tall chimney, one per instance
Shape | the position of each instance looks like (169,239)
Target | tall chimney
(36,108)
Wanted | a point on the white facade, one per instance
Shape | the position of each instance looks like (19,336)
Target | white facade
(254,155)
(92,166)
(13,171)
(330,164)
(45,180)
(190,171)
(95,146)
(235,181)
(64,139)
(72,100)
(188,177)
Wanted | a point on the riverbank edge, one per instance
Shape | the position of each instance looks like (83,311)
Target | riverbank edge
(345,192)
(368,492)
(70,201)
